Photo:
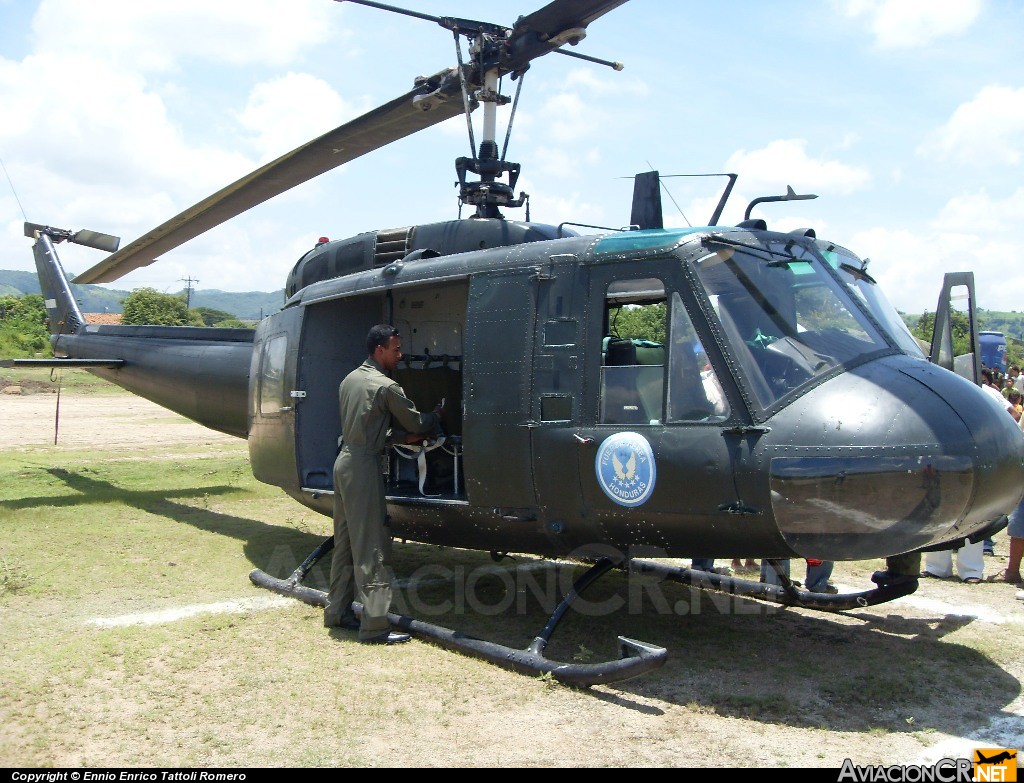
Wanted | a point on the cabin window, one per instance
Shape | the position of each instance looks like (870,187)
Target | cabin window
(272,385)
(633,353)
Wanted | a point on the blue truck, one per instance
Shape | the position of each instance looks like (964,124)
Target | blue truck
(993,350)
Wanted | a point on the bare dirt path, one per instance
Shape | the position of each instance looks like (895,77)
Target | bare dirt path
(108,421)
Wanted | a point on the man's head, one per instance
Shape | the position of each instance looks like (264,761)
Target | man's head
(384,346)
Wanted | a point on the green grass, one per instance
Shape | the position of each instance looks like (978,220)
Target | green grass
(13,577)
(87,535)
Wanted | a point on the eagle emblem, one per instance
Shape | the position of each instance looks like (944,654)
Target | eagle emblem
(627,472)
(625,468)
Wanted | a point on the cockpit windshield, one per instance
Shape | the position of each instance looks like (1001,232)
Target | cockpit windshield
(851,269)
(786,319)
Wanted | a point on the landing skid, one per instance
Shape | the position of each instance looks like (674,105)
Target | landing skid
(636,657)
(787,593)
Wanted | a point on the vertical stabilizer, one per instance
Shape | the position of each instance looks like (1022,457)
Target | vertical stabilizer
(61,307)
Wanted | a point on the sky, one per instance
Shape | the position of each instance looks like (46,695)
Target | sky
(905,117)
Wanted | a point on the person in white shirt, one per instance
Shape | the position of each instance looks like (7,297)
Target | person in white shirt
(989,385)
(1017,376)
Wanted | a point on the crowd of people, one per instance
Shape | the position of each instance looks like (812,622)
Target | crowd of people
(1011,388)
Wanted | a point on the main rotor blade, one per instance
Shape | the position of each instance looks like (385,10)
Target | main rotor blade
(540,32)
(420,108)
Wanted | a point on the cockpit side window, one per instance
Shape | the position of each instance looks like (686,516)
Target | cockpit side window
(694,391)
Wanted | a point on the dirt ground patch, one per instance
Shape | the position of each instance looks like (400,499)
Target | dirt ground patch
(109,422)
(222,679)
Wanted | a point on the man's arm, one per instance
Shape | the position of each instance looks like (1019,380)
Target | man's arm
(405,413)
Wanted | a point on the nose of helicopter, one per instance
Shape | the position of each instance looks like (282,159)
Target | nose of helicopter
(889,457)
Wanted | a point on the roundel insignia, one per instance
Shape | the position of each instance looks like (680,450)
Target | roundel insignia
(625,468)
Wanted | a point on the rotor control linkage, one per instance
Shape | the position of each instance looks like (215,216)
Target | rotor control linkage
(495,51)
(636,657)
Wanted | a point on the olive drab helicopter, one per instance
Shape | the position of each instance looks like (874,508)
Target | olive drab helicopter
(785,412)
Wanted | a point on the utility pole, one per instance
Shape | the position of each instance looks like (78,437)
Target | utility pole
(188,291)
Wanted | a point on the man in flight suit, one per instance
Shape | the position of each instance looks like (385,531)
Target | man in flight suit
(360,568)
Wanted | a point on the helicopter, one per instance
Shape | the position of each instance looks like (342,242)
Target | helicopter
(785,410)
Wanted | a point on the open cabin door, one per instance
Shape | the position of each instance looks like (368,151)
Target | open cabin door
(956,287)
(498,376)
(333,344)
(271,401)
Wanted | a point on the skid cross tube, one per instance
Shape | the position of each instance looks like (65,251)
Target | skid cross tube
(636,657)
(595,572)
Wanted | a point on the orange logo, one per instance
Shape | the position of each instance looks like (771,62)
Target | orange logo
(995,765)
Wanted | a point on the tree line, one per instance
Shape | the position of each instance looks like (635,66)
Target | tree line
(24,333)
(960,331)
(23,329)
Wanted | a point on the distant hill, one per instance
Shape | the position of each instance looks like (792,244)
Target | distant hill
(1010,323)
(247,305)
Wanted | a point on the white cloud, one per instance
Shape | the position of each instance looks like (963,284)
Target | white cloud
(155,37)
(697,210)
(93,147)
(905,24)
(785,161)
(549,207)
(89,134)
(555,162)
(988,130)
(979,213)
(89,119)
(569,118)
(288,111)
(594,80)
(909,265)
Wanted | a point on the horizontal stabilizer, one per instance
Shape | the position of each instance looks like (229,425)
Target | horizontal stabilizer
(56,362)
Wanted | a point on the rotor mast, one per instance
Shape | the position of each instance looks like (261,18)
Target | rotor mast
(495,50)
(488,193)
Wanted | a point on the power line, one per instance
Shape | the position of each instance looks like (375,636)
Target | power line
(188,291)
(11,183)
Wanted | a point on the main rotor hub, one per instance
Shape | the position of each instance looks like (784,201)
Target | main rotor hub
(488,194)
